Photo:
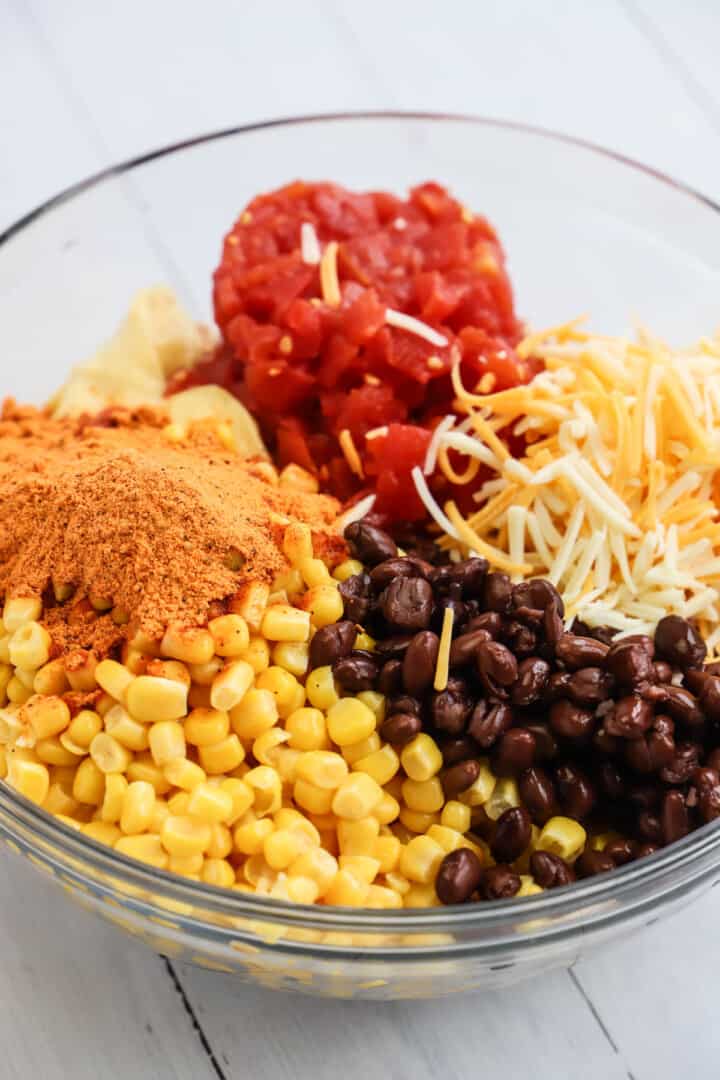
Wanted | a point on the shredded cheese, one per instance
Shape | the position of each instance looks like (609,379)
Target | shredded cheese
(309,244)
(329,282)
(616,497)
(401,321)
(355,513)
(350,451)
(442,667)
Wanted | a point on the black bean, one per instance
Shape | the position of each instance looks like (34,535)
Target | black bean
(685,760)
(532,677)
(528,616)
(538,794)
(577,794)
(514,752)
(682,706)
(570,721)
(497,666)
(390,677)
(709,802)
(520,639)
(546,746)
(550,871)
(630,663)
(605,743)
(557,686)
(713,760)
(369,544)
(645,849)
(441,578)
(459,749)
(404,703)
(450,708)
(400,728)
(457,607)
(497,593)
(678,642)
(332,642)
(579,652)
(674,817)
(357,597)
(589,686)
(611,781)
(419,663)
(490,621)
(393,647)
(709,698)
(385,572)
(553,626)
(649,827)
(663,671)
(512,834)
(470,575)
(538,593)
(499,882)
(593,862)
(631,717)
(654,750)
(458,876)
(464,648)
(356,672)
(605,634)
(407,603)
(644,796)
(621,851)
(488,722)
(460,777)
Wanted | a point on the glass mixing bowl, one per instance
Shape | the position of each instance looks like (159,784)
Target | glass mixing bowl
(585,231)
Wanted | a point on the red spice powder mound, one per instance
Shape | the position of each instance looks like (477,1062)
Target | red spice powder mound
(113,510)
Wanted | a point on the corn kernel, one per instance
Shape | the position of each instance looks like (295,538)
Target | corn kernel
(16,692)
(318,865)
(562,836)
(80,670)
(266,747)
(282,622)
(102,831)
(455,815)
(297,543)
(286,761)
(282,685)
(375,702)
(192,645)
(416,821)
(387,810)
(267,789)
(358,837)
(426,796)
(505,795)
(321,689)
(256,713)
(29,646)
(204,674)
(281,848)
(322,768)
(315,573)
(157,820)
(249,837)
(292,656)
(528,887)
(421,758)
(147,849)
(150,699)
(349,721)
(290,818)
(307,729)
(420,859)
(221,842)
(113,678)
(230,634)
(209,803)
(356,797)
(222,756)
(387,852)
(109,755)
(29,778)
(363,867)
(257,872)
(346,890)
(114,796)
(382,765)
(82,730)
(52,752)
(218,872)
(482,789)
(421,896)
(448,839)
(183,835)
(50,680)
(302,890)
(89,783)
(364,641)
(46,715)
(323,602)
(357,751)
(167,742)
(142,767)
(123,727)
(312,798)
(186,864)
(58,802)
(397,882)
(184,774)
(21,610)
(6,674)
(5,649)
(138,806)
(348,569)
(257,654)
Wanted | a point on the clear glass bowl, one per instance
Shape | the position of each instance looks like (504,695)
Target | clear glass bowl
(585,231)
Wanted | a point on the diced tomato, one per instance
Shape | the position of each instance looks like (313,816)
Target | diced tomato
(391,460)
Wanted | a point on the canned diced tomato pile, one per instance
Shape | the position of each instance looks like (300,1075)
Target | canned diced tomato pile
(376,598)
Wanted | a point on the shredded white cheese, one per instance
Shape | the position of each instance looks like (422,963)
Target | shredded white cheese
(310,251)
(400,321)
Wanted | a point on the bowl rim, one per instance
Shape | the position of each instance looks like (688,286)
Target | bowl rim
(577,898)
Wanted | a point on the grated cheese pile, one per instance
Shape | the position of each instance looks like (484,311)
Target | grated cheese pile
(615,497)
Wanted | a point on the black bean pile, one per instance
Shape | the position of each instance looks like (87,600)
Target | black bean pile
(621,736)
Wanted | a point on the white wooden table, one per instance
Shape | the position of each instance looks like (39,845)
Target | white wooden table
(83,84)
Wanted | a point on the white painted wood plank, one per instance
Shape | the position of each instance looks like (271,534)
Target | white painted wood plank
(580,68)
(657,994)
(544,1029)
(78,998)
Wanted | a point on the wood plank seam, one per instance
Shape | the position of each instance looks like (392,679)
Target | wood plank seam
(193,1017)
